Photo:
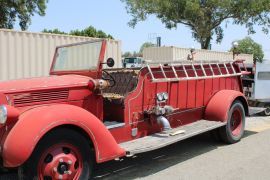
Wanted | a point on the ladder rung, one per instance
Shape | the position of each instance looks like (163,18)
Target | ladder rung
(226,68)
(150,71)
(175,74)
(185,71)
(219,68)
(233,68)
(162,70)
(194,70)
(211,68)
(204,73)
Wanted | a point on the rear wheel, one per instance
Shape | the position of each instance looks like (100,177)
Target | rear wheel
(266,112)
(61,154)
(234,129)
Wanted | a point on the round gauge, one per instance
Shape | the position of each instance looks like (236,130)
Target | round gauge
(160,97)
(165,96)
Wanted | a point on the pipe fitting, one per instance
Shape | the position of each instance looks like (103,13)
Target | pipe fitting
(98,84)
(164,122)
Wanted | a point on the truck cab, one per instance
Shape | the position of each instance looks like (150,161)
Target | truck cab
(257,85)
(58,127)
(133,62)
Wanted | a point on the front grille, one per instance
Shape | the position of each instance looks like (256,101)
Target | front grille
(39,97)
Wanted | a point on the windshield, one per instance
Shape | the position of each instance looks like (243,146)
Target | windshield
(78,57)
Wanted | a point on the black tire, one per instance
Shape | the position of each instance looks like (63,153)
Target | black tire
(266,112)
(29,170)
(227,133)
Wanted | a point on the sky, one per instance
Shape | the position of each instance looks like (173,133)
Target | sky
(111,17)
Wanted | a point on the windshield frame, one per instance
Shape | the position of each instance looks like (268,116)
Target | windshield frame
(95,73)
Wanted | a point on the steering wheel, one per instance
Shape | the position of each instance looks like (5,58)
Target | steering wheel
(111,78)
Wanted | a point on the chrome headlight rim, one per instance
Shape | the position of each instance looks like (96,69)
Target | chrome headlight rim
(3,114)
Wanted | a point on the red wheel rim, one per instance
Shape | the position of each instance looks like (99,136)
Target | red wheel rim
(236,122)
(61,161)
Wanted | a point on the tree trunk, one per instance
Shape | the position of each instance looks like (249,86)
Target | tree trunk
(205,42)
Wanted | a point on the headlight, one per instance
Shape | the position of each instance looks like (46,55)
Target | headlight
(3,114)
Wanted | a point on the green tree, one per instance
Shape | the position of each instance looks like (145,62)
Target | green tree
(54,31)
(22,10)
(127,54)
(88,32)
(204,17)
(146,45)
(248,46)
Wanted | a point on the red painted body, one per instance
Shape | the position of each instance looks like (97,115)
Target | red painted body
(60,114)
(67,99)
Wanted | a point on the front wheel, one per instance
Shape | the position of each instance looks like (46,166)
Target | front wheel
(61,154)
(234,129)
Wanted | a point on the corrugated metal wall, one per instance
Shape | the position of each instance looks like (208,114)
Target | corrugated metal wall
(179,54)
(25,54)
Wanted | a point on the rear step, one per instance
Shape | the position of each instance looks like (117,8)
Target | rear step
(159,140)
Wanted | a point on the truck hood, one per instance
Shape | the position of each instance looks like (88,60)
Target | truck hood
(43,83)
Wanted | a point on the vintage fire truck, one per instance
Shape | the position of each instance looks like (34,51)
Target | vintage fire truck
(58,127)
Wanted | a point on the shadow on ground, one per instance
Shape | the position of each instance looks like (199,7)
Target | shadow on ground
(152,162)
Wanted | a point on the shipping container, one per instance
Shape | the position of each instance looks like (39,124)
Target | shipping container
(166,54)
(27,54)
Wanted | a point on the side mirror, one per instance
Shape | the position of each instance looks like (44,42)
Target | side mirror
(110,62)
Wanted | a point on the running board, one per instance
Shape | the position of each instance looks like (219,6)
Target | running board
(159,140)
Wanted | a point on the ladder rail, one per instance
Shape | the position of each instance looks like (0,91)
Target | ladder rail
(187,62)
(196,78)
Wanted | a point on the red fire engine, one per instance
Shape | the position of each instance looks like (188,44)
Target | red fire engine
(58,127)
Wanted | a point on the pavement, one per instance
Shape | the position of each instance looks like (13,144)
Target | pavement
(201,157)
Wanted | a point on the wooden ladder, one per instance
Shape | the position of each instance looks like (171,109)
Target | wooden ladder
(176,77)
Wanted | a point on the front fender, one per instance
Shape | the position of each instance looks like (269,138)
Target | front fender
(34,124)
(219,105)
